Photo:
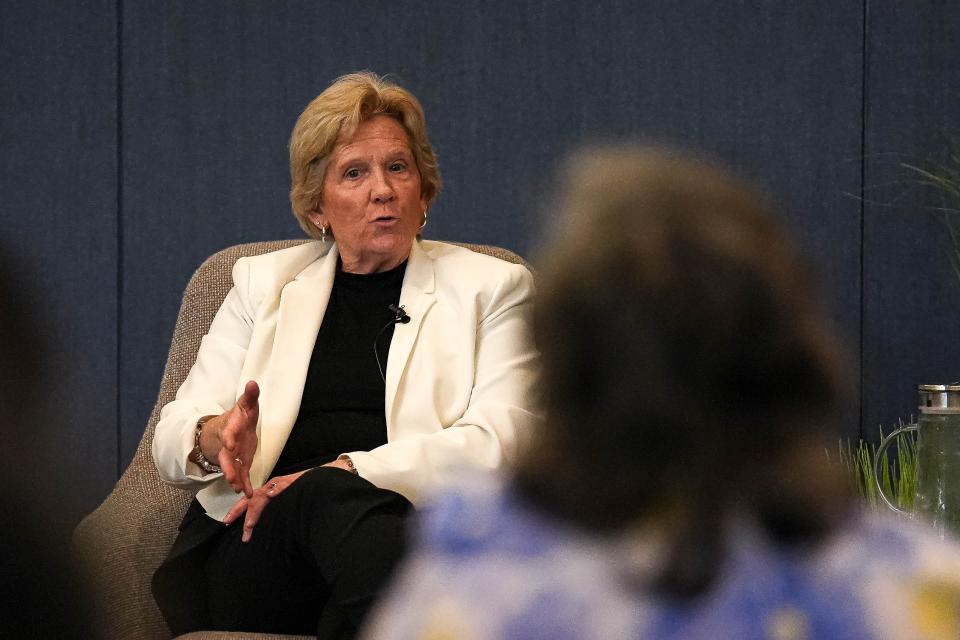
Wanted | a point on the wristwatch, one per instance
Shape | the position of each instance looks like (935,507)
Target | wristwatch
(197,454)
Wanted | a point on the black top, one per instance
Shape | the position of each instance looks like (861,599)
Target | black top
(343,397)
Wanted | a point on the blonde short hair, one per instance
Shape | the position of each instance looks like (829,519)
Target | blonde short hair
(334,116)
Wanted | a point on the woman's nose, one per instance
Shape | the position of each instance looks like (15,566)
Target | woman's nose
(382,189)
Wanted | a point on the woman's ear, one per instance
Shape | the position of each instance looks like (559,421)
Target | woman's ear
(316,217)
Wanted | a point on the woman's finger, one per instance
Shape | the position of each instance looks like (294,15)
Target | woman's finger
(228,438)
(254,509)
(248,399)
(232,471)
(236,510)
(228,472)
(245,483)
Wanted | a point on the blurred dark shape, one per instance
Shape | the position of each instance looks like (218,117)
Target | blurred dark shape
(40,597)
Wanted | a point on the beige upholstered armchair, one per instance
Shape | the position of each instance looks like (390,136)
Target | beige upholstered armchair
(120,545)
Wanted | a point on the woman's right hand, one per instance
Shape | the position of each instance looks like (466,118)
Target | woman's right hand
(233,440)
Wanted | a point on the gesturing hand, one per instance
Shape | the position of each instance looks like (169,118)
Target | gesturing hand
(254,504)
(238,437)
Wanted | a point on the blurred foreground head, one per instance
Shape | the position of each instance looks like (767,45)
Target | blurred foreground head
(690,370)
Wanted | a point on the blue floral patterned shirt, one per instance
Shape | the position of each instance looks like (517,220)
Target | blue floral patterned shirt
(485,566)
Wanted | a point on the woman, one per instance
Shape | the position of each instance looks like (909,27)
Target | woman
(340,381)
(678,487)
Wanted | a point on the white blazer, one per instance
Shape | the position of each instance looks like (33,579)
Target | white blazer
(459,378)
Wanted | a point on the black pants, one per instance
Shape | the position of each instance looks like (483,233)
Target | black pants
(321,552)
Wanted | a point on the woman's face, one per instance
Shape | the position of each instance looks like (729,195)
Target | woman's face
(371,197)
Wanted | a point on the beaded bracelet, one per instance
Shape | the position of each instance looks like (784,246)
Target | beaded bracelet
(197,454)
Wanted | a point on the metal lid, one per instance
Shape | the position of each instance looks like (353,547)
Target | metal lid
(939,396)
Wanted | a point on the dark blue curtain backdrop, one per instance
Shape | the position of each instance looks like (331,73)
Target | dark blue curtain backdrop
(140,137)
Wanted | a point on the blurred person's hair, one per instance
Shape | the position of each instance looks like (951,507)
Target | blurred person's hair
(333,117)
(690,369)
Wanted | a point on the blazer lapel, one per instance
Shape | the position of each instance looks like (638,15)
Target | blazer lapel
(302,305)
(416,297)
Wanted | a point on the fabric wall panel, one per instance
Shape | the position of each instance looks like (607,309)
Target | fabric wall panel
(911,296)
(58,227)
(212,89)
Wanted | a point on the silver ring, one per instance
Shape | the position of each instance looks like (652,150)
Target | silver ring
(238,461)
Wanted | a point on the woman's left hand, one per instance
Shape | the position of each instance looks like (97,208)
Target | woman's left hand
(255,504)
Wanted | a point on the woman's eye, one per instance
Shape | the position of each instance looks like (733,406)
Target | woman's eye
(352,173)
(397,167)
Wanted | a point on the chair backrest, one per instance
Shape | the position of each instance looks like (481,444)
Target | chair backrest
(120,545)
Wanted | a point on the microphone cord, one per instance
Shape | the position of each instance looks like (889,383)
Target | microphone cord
(400,317)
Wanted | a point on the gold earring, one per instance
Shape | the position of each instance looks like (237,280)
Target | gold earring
(424,223)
